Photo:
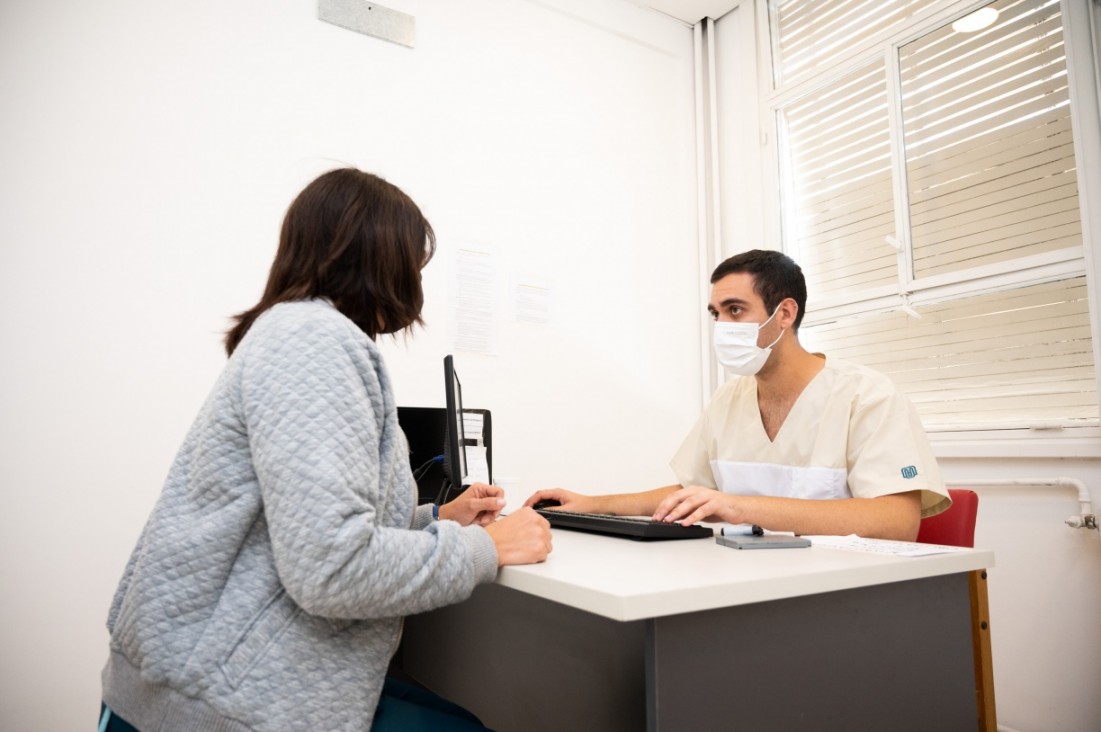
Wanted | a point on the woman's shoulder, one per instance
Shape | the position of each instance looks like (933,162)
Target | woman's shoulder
(315,319)
(308,339)
(290,314)
(293,335)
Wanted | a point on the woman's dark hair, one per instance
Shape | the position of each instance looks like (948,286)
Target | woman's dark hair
(357,240)
(776,277)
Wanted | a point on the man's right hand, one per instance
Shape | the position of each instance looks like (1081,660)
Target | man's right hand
(567,500)
(522,537)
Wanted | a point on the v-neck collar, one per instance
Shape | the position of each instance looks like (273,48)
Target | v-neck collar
(794,405)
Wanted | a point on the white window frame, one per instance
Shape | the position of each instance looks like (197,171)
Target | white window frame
(1082,33)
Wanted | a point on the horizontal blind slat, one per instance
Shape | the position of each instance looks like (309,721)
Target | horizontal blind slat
(1003,303)
(812,34)
(1006,119)
(922,100)
(1015,356)
(932,213)
(1015,214)
(1045,234)
(940,60)
(987,164)
(995,149)
(1060,325)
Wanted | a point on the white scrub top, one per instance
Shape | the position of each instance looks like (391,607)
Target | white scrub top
(851,433)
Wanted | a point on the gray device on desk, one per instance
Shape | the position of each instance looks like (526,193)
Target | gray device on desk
(770,541)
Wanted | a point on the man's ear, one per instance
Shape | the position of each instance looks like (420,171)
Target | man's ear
(789,311)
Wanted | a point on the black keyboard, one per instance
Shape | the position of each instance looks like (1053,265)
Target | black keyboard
(640,529)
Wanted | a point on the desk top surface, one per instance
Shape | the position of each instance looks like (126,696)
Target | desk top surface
(630,580)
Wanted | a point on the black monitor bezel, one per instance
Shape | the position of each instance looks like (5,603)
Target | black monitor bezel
(454,470)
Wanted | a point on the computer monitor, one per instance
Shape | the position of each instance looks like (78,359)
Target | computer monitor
(454,463)
(425,433)
(426,430)
(440,441)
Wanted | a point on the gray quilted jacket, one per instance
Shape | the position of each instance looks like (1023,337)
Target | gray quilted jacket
(267,589)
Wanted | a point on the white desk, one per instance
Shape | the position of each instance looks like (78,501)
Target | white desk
(612,634)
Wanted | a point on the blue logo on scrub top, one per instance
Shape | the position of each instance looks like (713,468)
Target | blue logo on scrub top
(909,472)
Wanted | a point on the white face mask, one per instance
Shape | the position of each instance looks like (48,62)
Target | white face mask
(736,346)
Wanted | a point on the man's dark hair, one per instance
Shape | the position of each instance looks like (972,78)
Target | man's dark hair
(775,277)
(357,240)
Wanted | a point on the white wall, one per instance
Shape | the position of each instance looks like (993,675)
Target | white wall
(147,155)
(1045,600)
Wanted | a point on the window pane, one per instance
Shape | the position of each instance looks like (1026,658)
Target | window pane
(837,146)
(1010,359)
(809,33)
(989,149)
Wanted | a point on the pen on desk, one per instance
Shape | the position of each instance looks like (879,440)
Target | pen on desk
(742,530)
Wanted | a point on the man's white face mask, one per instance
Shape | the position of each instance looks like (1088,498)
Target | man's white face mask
(736,346)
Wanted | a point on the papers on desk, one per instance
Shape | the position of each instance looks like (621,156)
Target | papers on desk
(882,546)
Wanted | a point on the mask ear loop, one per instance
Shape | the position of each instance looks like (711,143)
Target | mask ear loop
(782,330)
(770,345)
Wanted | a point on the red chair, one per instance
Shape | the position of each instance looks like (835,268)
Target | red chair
(954,527)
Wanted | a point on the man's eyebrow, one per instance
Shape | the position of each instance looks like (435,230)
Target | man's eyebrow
(726,303)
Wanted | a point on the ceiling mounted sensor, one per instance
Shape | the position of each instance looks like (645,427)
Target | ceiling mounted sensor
(976,21)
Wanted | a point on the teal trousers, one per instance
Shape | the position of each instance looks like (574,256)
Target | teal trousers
(401,708)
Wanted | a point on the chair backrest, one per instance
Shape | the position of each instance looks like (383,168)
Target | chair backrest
(956,526)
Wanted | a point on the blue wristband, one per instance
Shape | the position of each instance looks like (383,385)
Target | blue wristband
(435,512)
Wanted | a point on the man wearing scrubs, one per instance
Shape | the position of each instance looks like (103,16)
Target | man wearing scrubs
(800,441)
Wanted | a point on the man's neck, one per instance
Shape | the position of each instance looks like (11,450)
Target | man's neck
(786,381)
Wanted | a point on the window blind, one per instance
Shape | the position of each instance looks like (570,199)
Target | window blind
(999,360)
(838,146)
(989,150)
(808,34)
(990,197)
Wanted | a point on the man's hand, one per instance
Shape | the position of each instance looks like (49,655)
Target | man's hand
(567,500)
(695,503)
(479,504)
(893,516)
(618,504)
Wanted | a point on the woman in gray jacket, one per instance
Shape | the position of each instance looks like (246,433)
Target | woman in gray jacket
(268,587)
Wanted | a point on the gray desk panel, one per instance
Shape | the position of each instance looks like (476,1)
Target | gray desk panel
(527,664)
(895,656)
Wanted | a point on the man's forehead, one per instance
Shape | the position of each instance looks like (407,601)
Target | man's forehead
(736,286)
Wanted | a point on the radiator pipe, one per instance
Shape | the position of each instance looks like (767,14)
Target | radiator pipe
(1087,519)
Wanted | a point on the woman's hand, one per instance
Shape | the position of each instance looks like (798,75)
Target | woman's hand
(479,504)
(695,503)
(522,537)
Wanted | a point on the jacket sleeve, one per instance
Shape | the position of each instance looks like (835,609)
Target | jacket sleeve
(315,408)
